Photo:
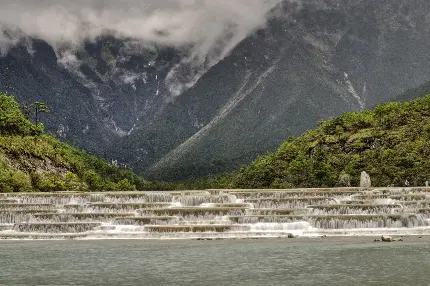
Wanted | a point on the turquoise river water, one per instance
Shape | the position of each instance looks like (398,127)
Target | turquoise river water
(304,261)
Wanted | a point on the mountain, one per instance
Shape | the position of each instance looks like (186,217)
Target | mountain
(141,105)
(33,161)
(414,93)
(96,93)
(314,60)
(391,143)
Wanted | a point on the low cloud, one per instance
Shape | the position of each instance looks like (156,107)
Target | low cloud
(209,28)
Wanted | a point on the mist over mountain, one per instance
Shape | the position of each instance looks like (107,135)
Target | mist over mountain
(103,66)
(204,30)
(191,88)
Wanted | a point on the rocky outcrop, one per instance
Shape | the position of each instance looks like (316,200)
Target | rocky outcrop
(365,180)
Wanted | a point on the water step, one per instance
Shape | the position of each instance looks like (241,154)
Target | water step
(55,227)
(133,220)
(56,194)
(196,200)
(276,211)
(6,212)
(249,219)
(357,202)
(18,206)
(291,199)
(66,217)
(191,228)
(117,206)
(41,236)
(55,198)
(291,194)
(288,203)
(304,190)
(354,206)
(193,211)
(425,212)
(367,221)
(410,197)
(341,221)
(371,196)
(138,197)
(4,227)
(407,197)
(238,205)
(8,201)
(190,193)
(414,203)
(322,190)
(19,216)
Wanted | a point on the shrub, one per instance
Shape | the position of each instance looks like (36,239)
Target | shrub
(14,181)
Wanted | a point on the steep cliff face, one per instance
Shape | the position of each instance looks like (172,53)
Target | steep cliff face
(313,61)
(97,93)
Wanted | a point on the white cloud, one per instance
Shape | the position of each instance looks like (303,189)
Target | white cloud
(68,59)
(210,27)
(169,22)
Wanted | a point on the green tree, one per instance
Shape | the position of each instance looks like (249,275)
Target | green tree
(12,121)
(39,108)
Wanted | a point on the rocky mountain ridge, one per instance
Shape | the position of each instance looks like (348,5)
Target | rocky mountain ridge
(313,61)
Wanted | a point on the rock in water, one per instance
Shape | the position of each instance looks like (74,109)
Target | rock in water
(365,180)
(385,238)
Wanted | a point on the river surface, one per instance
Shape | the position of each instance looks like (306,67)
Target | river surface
(317,261)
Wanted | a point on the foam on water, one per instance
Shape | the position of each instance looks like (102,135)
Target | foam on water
(295,228)
(216,214)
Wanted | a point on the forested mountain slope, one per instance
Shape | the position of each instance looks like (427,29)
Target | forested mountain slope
(391,143)
(31,160)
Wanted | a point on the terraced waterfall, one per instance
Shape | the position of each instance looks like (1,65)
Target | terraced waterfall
(215,213)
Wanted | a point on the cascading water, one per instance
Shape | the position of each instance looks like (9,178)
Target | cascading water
(215,213)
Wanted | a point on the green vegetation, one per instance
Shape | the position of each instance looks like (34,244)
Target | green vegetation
(12,122)
(391,143)
(30,160)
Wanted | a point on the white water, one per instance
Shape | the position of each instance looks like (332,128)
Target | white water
(216,214)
